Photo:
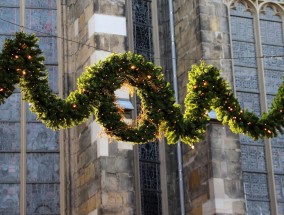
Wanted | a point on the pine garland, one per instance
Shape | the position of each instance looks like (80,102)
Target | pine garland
(21,61)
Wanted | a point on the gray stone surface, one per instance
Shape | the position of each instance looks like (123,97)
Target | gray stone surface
(103,184)
(107,183)
(202,32)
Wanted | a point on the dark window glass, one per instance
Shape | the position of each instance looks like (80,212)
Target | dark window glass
(149,164)
(247,87)
(43,144)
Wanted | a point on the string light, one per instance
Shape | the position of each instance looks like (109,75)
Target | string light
(166,58)
(131,64)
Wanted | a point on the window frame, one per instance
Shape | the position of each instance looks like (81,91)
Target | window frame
(256,8)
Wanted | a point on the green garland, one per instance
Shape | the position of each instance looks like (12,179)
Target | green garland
(21,61)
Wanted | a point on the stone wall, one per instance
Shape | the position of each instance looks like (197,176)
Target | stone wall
(225,187)
(215,36)
(212,171)
(188,40)
(173,200)
(99,170)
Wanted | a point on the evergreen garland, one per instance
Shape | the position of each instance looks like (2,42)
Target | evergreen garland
(21,61)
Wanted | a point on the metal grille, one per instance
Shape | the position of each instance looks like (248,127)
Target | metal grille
(142,28)
(247,87)
(149,165)
(10,119)
(42,144)
(253,156)
(272,44)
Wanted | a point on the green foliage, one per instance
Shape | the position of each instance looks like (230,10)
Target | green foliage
(208,91)
(21,61)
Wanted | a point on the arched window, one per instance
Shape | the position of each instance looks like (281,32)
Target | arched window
(258,62)
(29,152)
(148,154)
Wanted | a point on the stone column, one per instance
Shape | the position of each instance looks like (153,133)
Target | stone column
(101,174)
(212,171)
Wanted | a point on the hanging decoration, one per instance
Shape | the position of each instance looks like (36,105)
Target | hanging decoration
(22,62)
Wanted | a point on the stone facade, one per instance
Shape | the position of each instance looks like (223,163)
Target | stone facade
(100,172)
(173,199)
(212,171)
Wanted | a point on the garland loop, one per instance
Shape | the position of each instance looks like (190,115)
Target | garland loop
(21,61)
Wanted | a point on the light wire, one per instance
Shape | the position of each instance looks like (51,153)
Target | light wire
(165,58)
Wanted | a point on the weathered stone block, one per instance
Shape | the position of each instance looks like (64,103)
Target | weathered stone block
(109,181)
(80,7)
(129,198)
(92,204)
(123,164)
(108,164)
(234,188)
(112,199)
(196,211)
(86,156)
(194,180)
(84,139)
(113,148)
(239,207)
(110,7)
(125,182)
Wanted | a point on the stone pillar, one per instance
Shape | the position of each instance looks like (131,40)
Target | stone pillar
(212,171)
(101,174)
(226,195)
